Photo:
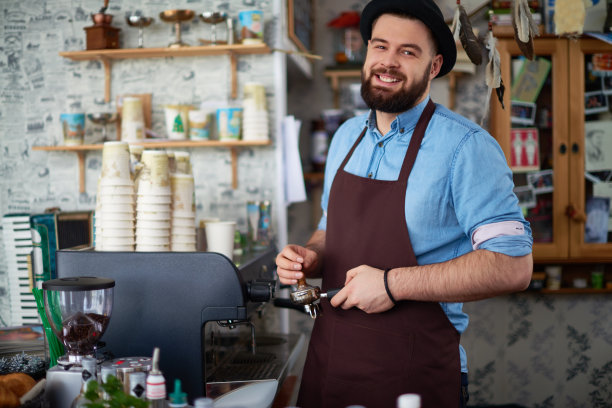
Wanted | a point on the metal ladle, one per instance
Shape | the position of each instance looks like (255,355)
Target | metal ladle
(308,296)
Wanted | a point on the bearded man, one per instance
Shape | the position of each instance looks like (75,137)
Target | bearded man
(419,216)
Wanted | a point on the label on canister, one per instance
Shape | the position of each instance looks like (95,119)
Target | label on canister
(229,122)
(251,26)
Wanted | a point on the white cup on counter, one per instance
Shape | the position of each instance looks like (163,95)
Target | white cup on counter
(220,237)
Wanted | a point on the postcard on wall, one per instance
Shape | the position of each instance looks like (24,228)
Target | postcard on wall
(598,145)
(595,102)
(525,150)
(598,213)
(541,181)
(604,190)
(530,80)
(522,113)
(526,196)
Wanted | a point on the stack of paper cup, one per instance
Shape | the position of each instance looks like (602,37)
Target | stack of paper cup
(183,213)
(132,119)
(153,203)
(114,225)
(255,115)
(183,162)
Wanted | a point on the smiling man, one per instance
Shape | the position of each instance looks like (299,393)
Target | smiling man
(419,216)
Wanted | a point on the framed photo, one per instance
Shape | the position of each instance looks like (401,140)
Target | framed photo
(522,113)
(596,226)
(598,145)
(301,23)
(524,149)
(595,102)
(526,196)
(541,181)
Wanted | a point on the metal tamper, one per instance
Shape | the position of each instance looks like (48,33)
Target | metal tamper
(309,296)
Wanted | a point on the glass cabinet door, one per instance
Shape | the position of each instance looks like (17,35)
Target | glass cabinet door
(532,130)
(590,149)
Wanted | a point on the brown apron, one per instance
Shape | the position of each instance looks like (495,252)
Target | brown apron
(371,359)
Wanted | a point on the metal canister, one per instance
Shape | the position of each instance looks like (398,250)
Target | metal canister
(127,365)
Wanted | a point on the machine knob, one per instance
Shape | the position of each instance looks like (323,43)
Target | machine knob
(260,290)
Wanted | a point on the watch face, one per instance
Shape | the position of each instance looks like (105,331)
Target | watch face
(448,7)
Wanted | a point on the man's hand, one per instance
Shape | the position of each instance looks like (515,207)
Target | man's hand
(364,288)
(295,262)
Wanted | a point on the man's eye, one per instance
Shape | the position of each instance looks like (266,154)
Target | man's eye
(406,52)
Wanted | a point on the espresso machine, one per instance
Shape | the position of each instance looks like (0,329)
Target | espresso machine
(78,310)
(171,300)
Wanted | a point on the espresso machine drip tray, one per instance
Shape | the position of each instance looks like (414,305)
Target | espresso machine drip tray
(231,363)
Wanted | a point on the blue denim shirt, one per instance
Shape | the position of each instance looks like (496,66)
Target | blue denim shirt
(460,181)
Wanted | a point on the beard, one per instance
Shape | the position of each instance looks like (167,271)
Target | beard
(384,100)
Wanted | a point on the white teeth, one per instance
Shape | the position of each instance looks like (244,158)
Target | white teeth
(387,79)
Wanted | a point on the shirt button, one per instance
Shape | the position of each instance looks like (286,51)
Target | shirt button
(402,130)
(380,144)
(370,175)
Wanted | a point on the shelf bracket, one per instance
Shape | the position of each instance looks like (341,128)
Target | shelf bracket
(234,79)
(234,155)
(107,79)
(81,156)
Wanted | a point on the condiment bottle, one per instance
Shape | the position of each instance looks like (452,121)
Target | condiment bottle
(178,399)
(203,403)
(409,401)
(88,374)
(156,384)
(105,371)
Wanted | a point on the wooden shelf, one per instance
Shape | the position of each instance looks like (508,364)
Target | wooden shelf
(573,291)
(81,150)
(106,56)
(335,76)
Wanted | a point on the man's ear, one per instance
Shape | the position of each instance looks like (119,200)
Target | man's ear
(436,66)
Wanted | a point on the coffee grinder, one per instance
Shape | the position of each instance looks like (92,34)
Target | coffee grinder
(78,310)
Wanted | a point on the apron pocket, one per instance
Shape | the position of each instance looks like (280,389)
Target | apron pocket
(364,356)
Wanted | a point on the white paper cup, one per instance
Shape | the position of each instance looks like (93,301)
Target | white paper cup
(220,237)
(140,206)
(182,239)
(105,215)
(132,119)
(165,198)
(152,248)
(117,208)
(156,169)
(108,232)
(116,190)
(116,199)
(116,248)
(114,223)
(182,192)
(178,247)
(154,215)
(177,121)
(152,232)
(183,214)
(151,240)
(116,161)
(117,241)
(183,162)
(152,224)
(191,231)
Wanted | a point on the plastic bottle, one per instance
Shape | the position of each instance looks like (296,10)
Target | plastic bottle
(409,401)
(88,374)
(203,403)
(156,384)
(178,399)
(105,371)
(137,381)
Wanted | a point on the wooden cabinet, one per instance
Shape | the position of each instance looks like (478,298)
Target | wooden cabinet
(564,186)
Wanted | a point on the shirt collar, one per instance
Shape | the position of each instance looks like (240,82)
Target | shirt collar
(406,120)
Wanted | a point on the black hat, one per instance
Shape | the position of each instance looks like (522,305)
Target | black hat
(425,10)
